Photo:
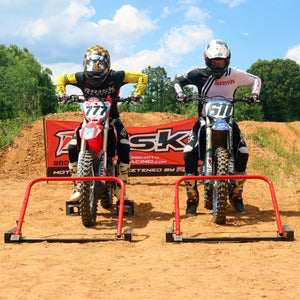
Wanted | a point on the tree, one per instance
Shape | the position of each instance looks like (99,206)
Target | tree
(159,95)
(280,94)
(242,111)
(154,96)
(26,87)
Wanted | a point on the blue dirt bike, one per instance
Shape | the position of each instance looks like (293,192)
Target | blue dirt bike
(219,156)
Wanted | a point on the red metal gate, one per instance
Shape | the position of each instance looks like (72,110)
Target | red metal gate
(175,235)
(15,235)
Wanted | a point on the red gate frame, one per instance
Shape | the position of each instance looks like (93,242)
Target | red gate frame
(175,235)
(15,235)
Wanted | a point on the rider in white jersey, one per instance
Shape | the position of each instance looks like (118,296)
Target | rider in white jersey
(217,79)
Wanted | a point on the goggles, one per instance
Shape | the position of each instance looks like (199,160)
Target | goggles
(217,63)
(96,74)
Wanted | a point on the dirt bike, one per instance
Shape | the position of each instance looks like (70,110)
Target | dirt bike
(219,155)
(96,155)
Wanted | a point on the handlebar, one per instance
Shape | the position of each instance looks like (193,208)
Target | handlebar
(81,99)
(205,99)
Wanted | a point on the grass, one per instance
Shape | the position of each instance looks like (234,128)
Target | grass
(289,161)
(10,128)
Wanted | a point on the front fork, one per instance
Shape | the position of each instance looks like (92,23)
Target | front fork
(83,147)
(103,152)
(231,183)
(208,163)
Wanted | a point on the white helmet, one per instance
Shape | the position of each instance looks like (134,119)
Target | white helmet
(217,57)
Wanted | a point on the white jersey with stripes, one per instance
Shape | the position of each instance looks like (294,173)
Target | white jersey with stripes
(207,85)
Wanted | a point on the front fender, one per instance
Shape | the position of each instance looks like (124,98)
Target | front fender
(90,131)
(220,125)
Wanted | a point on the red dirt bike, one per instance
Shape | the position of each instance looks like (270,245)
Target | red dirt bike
(219,154)
(96,155)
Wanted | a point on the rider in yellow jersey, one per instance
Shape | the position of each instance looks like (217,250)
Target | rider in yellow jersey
(99,80)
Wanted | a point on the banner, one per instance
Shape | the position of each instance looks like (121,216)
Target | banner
(155,150)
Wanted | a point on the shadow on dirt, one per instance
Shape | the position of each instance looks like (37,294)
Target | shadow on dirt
(252,216)
(143,214)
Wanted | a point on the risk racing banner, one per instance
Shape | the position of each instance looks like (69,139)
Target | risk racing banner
(155,150)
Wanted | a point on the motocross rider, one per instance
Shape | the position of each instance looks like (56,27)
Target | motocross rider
(97,79)
(216,79)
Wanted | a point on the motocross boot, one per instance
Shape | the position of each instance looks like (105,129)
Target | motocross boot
(122,172)
(236,198)
(76,194)
(193,196)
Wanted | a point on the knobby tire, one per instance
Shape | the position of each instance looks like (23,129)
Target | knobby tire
(106,195)
(221,188)
(88,202)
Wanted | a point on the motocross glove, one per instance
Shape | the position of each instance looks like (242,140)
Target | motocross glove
(254,98)
(62,98)
(134,98)
(181,97)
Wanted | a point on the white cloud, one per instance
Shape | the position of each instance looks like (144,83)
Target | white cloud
(77,10)
(34,29)
(56,23)
(118,34)
(232,3)
(128,20)
(294,54)
(176,43)
(166,12)
(196,14)
(70,27)
(142,60)
(187,2)
(187,38)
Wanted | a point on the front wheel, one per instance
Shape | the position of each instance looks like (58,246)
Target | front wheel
(220,190)
(88,202)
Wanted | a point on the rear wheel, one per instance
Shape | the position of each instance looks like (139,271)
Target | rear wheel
(88,202)
(220,190)
(208,196)
(208,190)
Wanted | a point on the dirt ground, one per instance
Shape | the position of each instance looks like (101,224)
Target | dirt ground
(148,267)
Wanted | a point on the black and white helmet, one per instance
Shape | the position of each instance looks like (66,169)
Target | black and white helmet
(217,57)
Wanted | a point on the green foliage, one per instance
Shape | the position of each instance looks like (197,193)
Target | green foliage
(69,107)
(159,96)
(26,91)
(26,87)
(273,141)
(10,128)
(280,94)
(243,111)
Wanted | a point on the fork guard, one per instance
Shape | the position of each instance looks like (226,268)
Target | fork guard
(173,234)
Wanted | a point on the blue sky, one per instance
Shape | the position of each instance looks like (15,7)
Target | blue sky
(167,33)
